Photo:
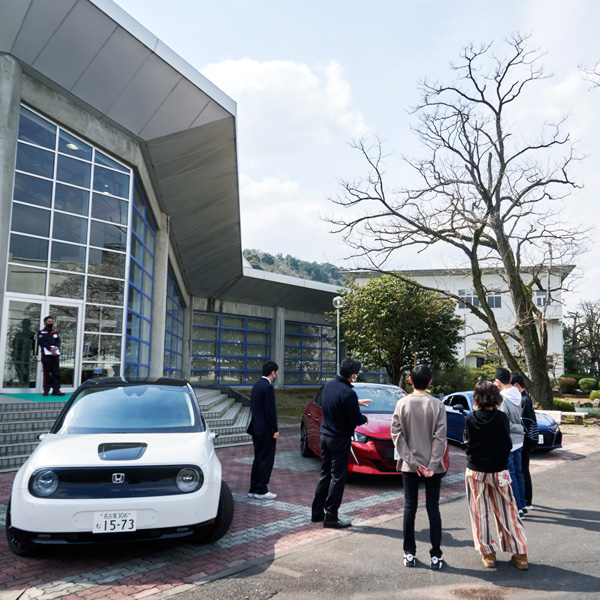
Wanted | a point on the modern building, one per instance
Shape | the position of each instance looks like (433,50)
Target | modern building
(119,214)
(459,282)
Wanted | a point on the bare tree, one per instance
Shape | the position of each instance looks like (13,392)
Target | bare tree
(485,191)
(592,74)
(584,335)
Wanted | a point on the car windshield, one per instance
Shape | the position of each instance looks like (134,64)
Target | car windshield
(384,398)
(132,409)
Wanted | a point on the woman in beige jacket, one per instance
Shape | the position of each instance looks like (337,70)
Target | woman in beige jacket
(419,435)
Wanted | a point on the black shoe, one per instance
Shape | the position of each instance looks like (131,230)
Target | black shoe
(58,393)
(409,560)
(336,524)
(46,394)
(317,518)
(436,563)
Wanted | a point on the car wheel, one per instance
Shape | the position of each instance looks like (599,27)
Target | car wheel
(18,546)
(215,531)
(304,449)
(464,437)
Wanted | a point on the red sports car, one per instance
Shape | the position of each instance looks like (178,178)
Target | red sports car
(372,449)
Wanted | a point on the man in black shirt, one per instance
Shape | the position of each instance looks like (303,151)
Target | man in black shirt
(341,414)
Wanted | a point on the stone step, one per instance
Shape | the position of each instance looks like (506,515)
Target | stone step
(12,463)
(20,437)
(38,425)
(208,398)
(240,439)
(239,426)
(30,404)
(27,415)
(18,448)
(220,410)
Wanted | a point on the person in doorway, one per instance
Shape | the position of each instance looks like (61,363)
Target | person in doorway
(531,439)
(511,405)
(487,480)
(49,343)
(341,415)
(419,436)
(23,349)
(265,432)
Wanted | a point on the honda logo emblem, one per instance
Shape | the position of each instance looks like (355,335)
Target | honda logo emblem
(118,477)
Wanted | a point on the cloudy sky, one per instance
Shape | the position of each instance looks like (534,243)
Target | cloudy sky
(310,75)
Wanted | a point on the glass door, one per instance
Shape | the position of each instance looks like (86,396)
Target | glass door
(22,368)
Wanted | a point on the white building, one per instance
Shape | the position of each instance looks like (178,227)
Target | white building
(459,282)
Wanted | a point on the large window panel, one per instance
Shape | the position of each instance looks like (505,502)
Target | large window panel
(35,160)
(105,291)
(24,280)
(102,262)
(36,130)
(68,257)
(72,200)
(27,219)
(70,228)
(66,285)
(28,250)
(111,209)
(69,144)
(103,319)
(73,171)
(32,190)
(308,351)
(108,236)
(111,182)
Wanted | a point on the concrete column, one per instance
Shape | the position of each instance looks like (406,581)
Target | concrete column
(278,344)
(10,98)
(159,298)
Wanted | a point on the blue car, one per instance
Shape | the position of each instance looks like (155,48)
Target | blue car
(460,404)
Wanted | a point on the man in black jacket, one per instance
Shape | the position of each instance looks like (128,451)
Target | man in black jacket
(49,343)
(341,414)
(264,430)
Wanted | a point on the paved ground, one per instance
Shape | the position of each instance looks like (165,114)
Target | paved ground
(281,529)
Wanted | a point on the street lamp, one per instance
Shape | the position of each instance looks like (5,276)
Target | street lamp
(338,302)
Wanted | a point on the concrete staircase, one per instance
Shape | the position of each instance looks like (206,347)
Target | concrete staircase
(22,422)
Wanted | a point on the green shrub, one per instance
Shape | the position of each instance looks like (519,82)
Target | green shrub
(567,385)
(563,406)
(595,394)
(588,384)
(576,376)
(457,379)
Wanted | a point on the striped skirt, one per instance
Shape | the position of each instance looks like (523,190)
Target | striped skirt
(490,498)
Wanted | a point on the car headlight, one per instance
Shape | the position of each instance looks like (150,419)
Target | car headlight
(189,480)
(554,427)
(361,438)
(44,483)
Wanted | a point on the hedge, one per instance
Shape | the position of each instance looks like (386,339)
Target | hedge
(594,395)
(588,384)
(567,385)
(563,406)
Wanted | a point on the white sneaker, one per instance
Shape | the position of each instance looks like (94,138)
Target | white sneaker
(267,496)
(251,495)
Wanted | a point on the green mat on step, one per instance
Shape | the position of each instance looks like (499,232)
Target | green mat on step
(37,397)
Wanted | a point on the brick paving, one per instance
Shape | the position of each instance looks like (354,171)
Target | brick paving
(260,530)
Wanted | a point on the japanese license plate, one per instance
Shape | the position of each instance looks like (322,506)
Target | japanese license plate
(115,521)
(541,438)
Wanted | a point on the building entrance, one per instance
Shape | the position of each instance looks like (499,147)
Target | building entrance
(22,368)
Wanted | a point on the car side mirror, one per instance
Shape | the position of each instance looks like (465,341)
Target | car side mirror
(460,408)
(213,435)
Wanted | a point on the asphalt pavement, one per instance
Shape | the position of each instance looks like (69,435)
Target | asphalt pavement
(365,562)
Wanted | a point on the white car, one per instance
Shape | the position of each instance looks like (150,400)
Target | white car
(124,461)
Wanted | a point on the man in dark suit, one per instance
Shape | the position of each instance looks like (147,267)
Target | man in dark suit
(49,343)
(264,431)
(341,414)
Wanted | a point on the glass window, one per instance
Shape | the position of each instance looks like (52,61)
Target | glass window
(200,318)
(108,236)
(68,257)
(35,160)
(102,159)
(103,319)
(73,171)
(25,280)
(104,291)
(228,335)
(36,130)
(70,199)
(28,250)
(66,285)
(102,262)
(27,219)
(110,182)
(237,322)
(70,228)
(106,208)
(68,144)
(32,190)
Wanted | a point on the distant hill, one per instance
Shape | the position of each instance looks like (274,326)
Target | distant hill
(294,267)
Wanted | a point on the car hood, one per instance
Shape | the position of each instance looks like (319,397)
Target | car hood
(378,426)
(81,450)
(544,420)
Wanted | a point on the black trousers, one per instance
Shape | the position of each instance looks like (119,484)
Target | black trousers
(264,457)
(525,458)
(410,482)
(335,455)
(51,368)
